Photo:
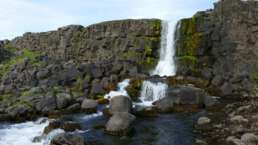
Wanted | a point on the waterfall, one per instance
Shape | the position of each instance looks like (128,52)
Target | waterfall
(121,90)
(166,65)
(153,91)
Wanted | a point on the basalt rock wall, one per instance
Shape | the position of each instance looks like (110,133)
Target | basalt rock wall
(136,41)
(221,46)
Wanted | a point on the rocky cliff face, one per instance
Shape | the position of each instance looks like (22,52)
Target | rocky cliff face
(4,53)
(221,45)
(136,41)
(47,69)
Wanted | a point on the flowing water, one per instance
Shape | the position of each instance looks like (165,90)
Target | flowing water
(166,65)
(24,133)
(153,91)
(121,90)
(166,129)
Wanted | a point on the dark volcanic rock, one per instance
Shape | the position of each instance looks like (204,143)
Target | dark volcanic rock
(68,139)
(120,123)
(123,40)
(120,104)
(90,106)
(221,46)
(182,98)
(68,126)
(74,62)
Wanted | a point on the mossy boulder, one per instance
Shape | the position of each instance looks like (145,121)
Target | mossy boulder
(134,88)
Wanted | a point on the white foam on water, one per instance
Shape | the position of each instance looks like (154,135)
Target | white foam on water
(166,65)
(121,90)
(50,136)
(21,133)
(90,116)
(152,92)
(24,133)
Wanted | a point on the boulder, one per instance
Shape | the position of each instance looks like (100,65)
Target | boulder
(181,98)
(145,111)
(20,112)
(120,123)
(89,106)
(67,139)
(42,74)
(74,108)
(97,88)
(120,104)
(63,100)
(46,104)
(67,126)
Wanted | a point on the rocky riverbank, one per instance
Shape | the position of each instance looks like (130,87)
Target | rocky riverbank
(69,71)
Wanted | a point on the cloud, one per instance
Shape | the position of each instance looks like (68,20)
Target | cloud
(19,16)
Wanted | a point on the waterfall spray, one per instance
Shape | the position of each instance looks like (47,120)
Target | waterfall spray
(166,65)
(153,91)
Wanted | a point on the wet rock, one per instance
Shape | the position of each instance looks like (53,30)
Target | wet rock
(89,106)
(145,111)
(120,104)
(70,126)
(52,125)
(182,98)
(120,124)
(203,121)
(67,126)
(103,101)
(67,139)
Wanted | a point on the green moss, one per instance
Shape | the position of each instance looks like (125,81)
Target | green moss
(5,96)
(156,25)
(254,77)
(190,38)
(190,63)
(134,88)
(57,89)
(188,44)
(147,50)
(26,53)
(130,55)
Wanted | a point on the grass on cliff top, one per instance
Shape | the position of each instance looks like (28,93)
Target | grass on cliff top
(26,53)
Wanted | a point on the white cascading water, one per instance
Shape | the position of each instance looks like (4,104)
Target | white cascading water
(24,133)
(166,65)
(121,90)
(153,91)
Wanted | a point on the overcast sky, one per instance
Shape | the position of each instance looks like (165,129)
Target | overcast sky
(19,16)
